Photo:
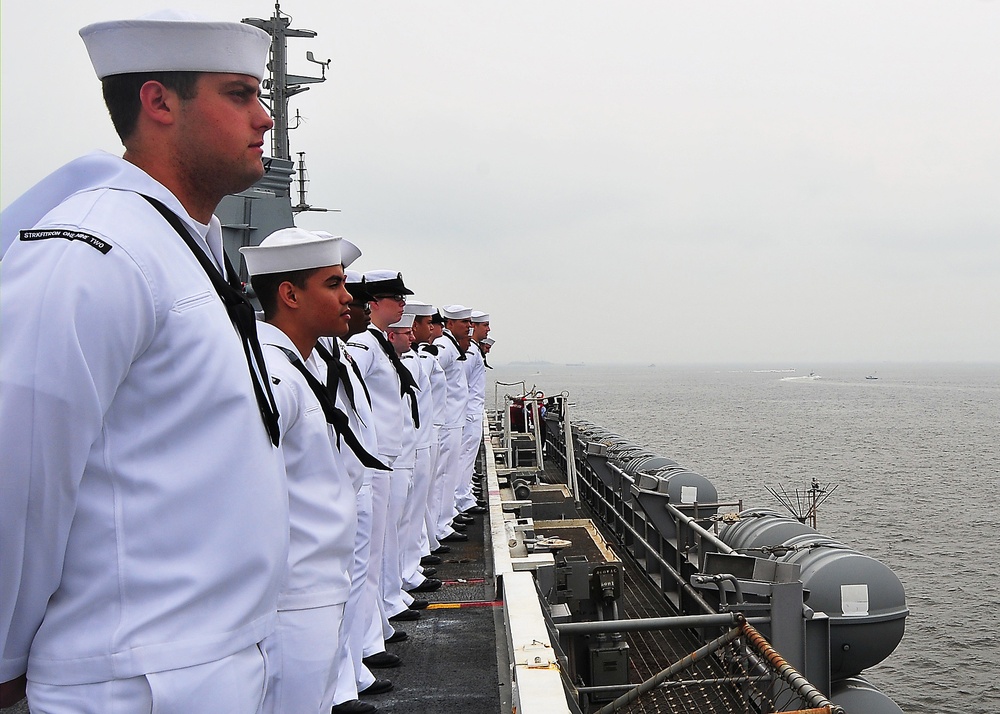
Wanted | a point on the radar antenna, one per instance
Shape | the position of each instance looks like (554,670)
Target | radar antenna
(805,504)
(281,86)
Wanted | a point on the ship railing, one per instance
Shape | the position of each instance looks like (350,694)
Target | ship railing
(513,441)
(679,550)
(761,674)
(529,663)
(677,554)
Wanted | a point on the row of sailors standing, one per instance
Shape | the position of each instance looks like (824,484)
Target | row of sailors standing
(201,513)
(398,387)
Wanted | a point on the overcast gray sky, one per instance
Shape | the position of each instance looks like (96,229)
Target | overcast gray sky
(780,182)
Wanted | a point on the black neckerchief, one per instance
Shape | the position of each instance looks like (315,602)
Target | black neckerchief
(336,373)
(461,354)
(357,373)
(241,314)
(429,348)
(407,385)
(334,417)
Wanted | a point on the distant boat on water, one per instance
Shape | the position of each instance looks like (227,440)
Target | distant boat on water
(873,375)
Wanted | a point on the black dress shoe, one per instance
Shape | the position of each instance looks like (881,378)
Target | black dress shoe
(428,571)
(431,560)
(354,706)
(429,585)
(406,615)
(460,527)
(418,605)
(379,686)
(475,509)
(382,660)
(462,518)
(398,636)
(441,550)
(455,537)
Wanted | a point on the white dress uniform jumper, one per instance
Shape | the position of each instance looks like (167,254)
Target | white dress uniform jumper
(144,525)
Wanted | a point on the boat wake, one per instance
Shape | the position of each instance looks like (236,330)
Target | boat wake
(801,378)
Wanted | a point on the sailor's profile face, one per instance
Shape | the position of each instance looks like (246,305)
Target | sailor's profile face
(325,302)
(221,133)
(400,339)
(359,317)
(422,328)
(390,306)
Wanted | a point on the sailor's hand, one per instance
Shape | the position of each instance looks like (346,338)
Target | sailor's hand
(13,691)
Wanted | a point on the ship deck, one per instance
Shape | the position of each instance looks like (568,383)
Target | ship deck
(450,658)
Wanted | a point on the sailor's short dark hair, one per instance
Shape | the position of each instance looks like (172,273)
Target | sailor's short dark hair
(121,94)
(266,287)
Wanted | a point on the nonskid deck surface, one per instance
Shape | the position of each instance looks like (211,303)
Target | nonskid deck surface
(450,658)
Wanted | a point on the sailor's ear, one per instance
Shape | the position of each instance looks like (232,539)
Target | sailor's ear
(288,296)
(158,103)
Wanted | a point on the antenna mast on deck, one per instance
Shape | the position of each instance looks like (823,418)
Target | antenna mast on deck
(804,506)
(281,86)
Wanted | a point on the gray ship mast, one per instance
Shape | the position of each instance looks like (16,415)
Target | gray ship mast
(281,86)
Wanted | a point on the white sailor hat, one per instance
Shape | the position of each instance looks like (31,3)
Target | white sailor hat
(291,249)
(348,251)
(405,322)
(171,41)
(456,312)
(385,282)
(479,316)
(417,308)
(488,341)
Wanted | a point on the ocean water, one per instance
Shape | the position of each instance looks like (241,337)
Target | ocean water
(914,456)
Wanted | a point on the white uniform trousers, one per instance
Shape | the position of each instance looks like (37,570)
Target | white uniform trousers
(353,675)
(472,438)
(429,531)
(413,542)
(232,685)
(379,625)
(392,576)
(448,463)
(303,656)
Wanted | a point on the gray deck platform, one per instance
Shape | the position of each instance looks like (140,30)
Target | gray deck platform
(450,659)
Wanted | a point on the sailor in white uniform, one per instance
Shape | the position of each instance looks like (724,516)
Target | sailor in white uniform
(430,331)
(143,521)
(422,364)
(472,433)
(365,624)
(451,357)
(486,344)
(388,381)
(401,500)
(298,277)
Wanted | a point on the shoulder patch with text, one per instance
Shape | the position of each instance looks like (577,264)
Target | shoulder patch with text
(92,241)
(357,344)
